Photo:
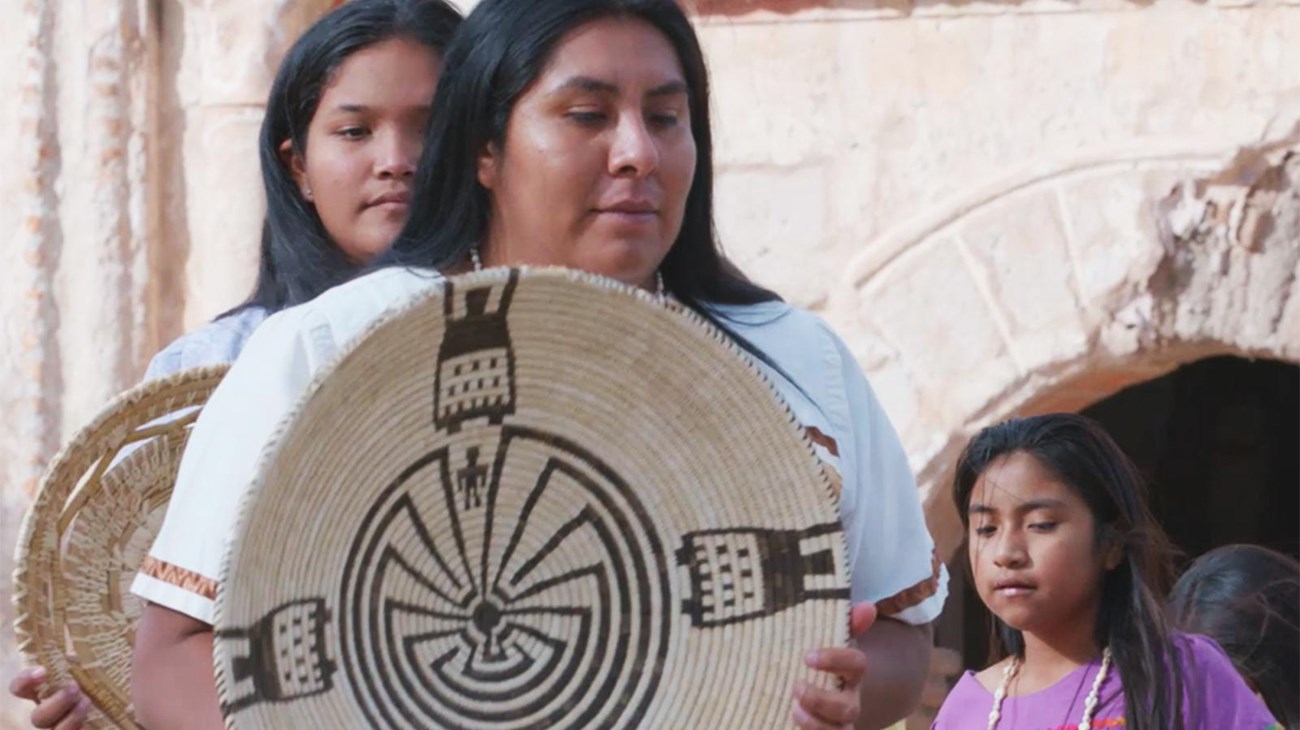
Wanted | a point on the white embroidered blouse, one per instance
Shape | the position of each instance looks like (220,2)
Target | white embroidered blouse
(890,550)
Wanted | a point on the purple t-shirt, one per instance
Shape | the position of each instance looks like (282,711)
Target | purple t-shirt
(1215,697)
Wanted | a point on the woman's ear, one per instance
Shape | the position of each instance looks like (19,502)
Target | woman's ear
(489,163)
(297,167)
(1113,549)
(1114,556)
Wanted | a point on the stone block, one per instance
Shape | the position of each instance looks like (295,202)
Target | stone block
(771,222)
(1111,222)
(1288,326)
(895,385)
(757,121)
(224,211)
(1018,248)
(929,308)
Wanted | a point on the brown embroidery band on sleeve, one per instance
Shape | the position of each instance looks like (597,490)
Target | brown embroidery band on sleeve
(909,597)
(833,477)
(186,580)
(821,439)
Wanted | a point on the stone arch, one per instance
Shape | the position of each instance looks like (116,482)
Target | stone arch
(1062,284)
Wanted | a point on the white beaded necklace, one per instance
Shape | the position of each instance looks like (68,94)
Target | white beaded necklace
(1089,705)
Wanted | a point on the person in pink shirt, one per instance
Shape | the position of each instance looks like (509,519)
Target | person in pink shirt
(1067,557)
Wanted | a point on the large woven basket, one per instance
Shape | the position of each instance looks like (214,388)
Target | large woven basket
(534,499)
(95,514)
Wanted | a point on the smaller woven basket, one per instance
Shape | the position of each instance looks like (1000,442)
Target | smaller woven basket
(95,514)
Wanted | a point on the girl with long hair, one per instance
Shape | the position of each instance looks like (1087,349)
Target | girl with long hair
(339,144)
(1071,563)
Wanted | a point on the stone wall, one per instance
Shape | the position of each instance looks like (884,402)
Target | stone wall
(1004,206)
(972,193)
(133,205)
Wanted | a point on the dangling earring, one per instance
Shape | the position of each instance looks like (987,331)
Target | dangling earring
(473,257)
(660,292)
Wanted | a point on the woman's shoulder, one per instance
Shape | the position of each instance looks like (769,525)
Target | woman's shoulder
(1202,658)
(1214,692)
(1197,647)
(814,362)
(797,340)
(781,325)
(215,343)
(354,304)
(339,314)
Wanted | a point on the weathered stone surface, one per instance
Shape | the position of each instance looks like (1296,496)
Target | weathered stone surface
(224,210)
(1217,276)
(132,163)
(1021,254)
(976,195)
(914,105)
(772,218)
(1111,225)
(956,347)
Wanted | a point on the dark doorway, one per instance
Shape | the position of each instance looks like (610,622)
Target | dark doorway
(1218,441)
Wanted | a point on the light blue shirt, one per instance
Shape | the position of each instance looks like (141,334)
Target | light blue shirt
(215,343)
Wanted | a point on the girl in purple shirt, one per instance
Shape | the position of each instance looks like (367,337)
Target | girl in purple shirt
(1069,560)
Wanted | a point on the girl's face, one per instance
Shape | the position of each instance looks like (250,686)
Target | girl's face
(364,142)
(598,157)
(1033,548)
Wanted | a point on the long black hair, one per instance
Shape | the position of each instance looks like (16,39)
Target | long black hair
(500,50)
(1130,620)
(299,260)
(1247,598)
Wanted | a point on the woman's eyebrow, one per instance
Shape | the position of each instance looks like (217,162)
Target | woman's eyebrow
(607,88)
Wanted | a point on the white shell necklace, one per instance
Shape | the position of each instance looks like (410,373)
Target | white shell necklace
(1089,705)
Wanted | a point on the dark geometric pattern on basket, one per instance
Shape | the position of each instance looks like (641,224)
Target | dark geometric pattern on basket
(476,364)
(511,578)
(746,573)
(283,657)
(478,612)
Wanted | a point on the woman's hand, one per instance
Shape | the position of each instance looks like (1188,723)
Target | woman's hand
(66,709)
(825,709)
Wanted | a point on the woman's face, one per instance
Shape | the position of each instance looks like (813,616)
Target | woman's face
(598,157)
(364,142)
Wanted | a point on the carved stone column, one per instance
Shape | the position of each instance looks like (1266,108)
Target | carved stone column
(134,207)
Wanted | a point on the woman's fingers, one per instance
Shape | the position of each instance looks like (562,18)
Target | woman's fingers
(57,707)
(77,719)
(27,683)
(818,708)
(847,664)
(861,617)
(825,709)
(66,709)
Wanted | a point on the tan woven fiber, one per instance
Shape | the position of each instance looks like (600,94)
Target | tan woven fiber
(94,517)
(533,499)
